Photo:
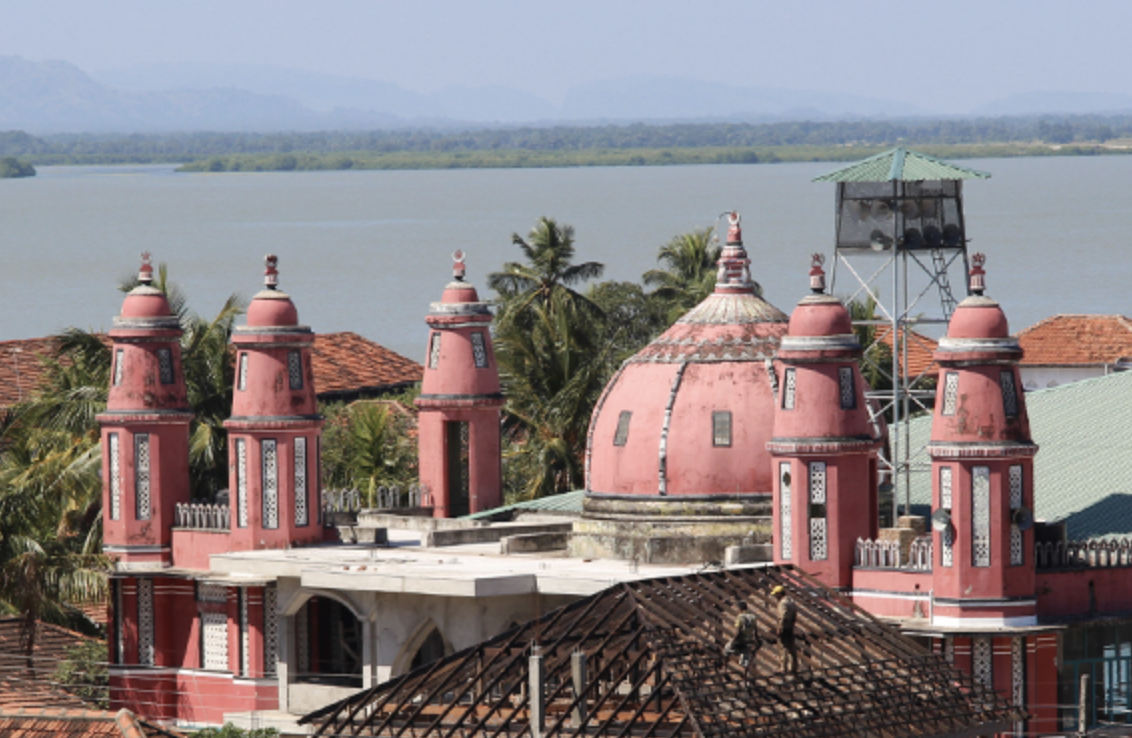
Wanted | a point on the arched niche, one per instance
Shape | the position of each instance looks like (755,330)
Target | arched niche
(427,644)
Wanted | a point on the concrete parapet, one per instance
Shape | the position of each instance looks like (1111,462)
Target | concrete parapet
(487,534)
(363,534)
(753,554)
(534,543)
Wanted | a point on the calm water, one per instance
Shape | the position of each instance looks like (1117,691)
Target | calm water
(367,251)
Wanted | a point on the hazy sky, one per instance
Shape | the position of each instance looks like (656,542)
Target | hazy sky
(945,55)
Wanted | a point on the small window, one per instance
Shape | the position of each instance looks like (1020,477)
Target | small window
(434,350)
(848,390)
(295,369)
(242,373)
(1009,394)
(622,435)
(950,393)
(479,352)
(117,367)
(788,392)
(721,428)
(165,365)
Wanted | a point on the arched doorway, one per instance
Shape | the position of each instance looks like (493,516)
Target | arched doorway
(328,644)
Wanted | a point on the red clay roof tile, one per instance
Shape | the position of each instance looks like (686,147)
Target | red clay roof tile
(1076,340)
(71,723)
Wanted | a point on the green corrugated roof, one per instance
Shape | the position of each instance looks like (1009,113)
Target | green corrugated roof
(1083,472)
(900,164)
(567,502)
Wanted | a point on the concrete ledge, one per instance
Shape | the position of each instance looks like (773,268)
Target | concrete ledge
(754,554)
(533,543)
(415,522)
(488,534)
(363,534)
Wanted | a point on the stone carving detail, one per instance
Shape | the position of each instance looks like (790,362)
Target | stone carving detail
(242,374)
(141,475)
(788,393)
(270,477)
(270,629)
(295,369)
(301,505)
(145,622)
(242,482)
(946,553)
(214,626)
(165,365)
(434,350)
(115,478)
(848,391)
(950,393)
(982,661)
(1009,394)
(980,518)
(479,351)
(784,524)
(118,367)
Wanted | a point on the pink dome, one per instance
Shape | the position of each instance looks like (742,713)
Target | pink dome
(820,318)
(458,292)
(272,309)
(978,317)
(145,302)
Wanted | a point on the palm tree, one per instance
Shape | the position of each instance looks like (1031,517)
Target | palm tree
(366,445)
(688,276)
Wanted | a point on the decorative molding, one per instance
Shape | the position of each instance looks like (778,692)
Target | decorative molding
(662,477)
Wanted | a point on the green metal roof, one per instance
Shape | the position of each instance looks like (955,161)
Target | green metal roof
(1083,472)
(567,502)
(900,164)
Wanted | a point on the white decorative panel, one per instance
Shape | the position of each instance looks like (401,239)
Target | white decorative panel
(145,622)
(302,639)
(165,365)
(295,369)
(214,635)
(982,661)
(817,482)
(270,629)
(1018,678)
(980,516)
(479,352)
(115,476)
(434,350)
(245,639)
(1009,394)
(1017,539)
(1015,486)
(118,367)
(848,391)
(141,475)
(819,548)
(788,392)
(270,479)
(242,373)
(241,483)
(301,506)
(950,393)
(784,523)
(946,552)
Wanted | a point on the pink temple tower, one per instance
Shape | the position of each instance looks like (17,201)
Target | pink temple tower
(459,404)
(145,430)
(824,444)
(982,468)
(274,432)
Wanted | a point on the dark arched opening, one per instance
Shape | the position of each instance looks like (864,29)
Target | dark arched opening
(328,644)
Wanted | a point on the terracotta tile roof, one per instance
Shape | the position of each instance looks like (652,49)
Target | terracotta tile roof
(70,723)
(1077,340)
(21,687)
(920,349)
(345,363)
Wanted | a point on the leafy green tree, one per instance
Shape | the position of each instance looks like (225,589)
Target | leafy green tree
(231,731)
(688,276)
(11,167)
(366,445)
(83,673)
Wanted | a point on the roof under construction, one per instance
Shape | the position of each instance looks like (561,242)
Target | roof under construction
(645,659)
(900,165)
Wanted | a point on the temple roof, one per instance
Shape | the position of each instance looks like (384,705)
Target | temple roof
(655,666)
(900,164)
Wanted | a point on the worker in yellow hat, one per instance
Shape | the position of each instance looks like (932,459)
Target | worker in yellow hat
(787,615)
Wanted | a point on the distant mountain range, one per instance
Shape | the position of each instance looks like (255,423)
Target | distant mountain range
(56,96)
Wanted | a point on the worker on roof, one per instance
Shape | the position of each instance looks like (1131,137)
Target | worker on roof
(787,614)
(746,643)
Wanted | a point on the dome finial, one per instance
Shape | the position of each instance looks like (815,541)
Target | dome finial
(145,273)
(978,276)
(271,273)
(459,269)
(734,232)
(817,274)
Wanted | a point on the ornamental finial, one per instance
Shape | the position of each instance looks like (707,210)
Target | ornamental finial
(459,269)
(271,273)
(734,232)
(817,274)
(145,273)
(978,276)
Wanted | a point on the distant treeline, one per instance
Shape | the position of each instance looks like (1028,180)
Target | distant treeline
(365,148)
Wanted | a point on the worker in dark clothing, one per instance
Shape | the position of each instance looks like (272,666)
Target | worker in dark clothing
(746,642)
(787,614)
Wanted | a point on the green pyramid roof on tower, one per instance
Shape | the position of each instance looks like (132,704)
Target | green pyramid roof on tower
(902,165)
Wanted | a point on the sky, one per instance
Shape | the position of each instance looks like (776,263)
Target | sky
(943,56)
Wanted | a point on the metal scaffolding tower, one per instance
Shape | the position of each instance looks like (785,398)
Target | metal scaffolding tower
(901,239)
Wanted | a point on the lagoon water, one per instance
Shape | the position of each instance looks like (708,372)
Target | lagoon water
(367,251)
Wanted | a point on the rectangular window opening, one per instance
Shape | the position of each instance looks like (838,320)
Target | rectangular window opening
(479,350)
(117,367)
(847,387)
(270,478)
(622,435)
(788,391)
(1009,394)
(950,393)
(242,373)
(165,365)
(434,350)
(721,428)
(295,369)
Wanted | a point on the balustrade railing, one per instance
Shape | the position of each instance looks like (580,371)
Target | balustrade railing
(202,516)
(384,498)
(872,554)
(1084,554)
